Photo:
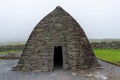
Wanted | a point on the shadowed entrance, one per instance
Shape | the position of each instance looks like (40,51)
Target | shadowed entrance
(58,57)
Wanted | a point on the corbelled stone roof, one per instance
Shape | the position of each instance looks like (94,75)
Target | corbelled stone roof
(57,30)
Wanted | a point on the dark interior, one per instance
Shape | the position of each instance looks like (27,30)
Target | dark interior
(58,58)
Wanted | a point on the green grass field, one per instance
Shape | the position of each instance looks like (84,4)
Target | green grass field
(110,55)
(10,51)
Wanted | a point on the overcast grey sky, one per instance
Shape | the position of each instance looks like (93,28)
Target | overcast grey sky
(98,18)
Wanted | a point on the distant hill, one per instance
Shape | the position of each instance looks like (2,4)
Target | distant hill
(12,43)
(103,40)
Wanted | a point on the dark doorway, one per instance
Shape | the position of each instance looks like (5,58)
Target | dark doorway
(58,57)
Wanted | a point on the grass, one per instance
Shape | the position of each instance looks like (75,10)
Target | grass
(109,55)
(10,51)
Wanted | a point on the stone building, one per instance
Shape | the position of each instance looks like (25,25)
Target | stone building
(57,40)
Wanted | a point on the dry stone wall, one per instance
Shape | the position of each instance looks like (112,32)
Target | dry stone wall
(106,45)
(97,45)
(11,47)
(57,29)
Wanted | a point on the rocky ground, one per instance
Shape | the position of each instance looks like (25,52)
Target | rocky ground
(106,72)
(10,55)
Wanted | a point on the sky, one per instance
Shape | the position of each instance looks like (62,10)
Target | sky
(98,18)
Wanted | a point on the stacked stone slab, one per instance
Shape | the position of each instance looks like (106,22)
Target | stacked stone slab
(58,28)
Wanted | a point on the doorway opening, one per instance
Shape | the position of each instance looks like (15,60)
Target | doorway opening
(58,57)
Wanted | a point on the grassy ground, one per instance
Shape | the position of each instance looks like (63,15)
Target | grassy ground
(10,51)
(110,55)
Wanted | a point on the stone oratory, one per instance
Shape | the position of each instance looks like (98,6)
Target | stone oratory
(57,40)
